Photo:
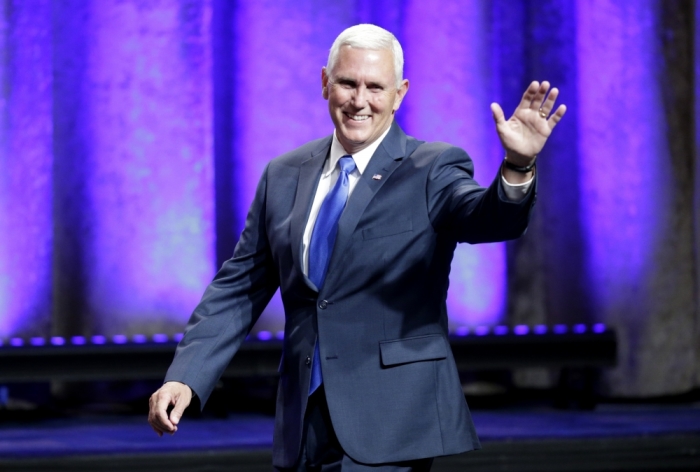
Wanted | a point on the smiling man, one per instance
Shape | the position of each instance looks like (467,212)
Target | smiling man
(358,230)
(363,94)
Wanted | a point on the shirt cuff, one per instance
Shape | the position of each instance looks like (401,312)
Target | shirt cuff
(516,192)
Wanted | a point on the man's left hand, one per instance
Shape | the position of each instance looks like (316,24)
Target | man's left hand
(523,135)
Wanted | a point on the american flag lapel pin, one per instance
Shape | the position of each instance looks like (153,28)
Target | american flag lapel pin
(377,177)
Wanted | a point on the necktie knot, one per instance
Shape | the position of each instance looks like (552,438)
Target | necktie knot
(347,164)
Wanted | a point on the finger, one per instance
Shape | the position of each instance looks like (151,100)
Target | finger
(549,102)
(158,414)
(164,401)
(529,94)
(157,428)
(538,99)
(178,410)
(497,113)
(556,116)
(158,432)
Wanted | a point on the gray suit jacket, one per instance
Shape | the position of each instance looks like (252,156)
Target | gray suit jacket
(390,379)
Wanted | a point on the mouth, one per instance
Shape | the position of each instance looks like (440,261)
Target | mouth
(357,118)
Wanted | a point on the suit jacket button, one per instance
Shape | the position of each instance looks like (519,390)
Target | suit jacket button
(308,360)
(323,304)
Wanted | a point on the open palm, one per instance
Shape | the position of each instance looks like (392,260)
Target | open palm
(524,134)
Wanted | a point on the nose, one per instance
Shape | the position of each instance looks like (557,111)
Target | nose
(360,97)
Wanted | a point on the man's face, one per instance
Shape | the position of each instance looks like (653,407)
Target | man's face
(362,95)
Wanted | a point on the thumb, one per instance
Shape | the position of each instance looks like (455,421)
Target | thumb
(497,113)
(178,410)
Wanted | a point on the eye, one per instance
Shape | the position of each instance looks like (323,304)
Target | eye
(346,84)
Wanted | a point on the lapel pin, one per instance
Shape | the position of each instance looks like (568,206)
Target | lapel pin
(377,177)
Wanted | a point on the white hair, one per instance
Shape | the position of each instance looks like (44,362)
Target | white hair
(366,36)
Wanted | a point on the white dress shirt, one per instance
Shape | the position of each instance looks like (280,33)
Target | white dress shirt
(331,171)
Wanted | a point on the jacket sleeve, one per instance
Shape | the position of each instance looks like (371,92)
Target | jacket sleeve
(230,306)
(471,213)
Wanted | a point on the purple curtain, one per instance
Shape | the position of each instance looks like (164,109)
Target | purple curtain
(133,132)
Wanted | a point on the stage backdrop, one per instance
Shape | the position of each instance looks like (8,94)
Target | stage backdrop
(133,133)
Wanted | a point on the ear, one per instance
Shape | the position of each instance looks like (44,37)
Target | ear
(324,83)
(400,94)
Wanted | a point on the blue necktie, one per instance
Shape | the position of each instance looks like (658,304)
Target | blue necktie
(321,246)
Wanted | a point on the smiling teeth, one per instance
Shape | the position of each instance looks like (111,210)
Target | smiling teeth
(359,117)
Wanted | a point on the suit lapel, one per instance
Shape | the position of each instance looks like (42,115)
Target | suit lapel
(309,175)
(384,161)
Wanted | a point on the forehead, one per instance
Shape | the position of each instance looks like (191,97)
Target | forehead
(375,64)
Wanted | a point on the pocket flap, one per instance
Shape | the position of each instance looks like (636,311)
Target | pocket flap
(420,348)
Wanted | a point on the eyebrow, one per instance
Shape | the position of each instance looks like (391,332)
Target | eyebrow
(344,80)
(348,80)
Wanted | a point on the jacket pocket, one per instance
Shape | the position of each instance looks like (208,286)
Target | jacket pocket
(383,230)
(420,348)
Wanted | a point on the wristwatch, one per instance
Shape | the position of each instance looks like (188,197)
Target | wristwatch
(522,170)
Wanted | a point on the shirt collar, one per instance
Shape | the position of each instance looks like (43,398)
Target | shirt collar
(361,158)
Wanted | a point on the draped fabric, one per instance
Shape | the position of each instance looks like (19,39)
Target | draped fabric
(133,133)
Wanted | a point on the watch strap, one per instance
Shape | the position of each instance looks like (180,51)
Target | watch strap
(522,170)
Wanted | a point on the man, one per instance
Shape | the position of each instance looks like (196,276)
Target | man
(358,230)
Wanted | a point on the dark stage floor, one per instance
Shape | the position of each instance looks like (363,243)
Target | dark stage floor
(630,438)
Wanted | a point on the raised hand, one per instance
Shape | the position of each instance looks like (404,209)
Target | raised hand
(524,134)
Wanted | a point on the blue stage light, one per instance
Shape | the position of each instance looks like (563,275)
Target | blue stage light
(521,330)
(540,329)
(264,335)
(78,340)
(500,330)
(560,329)
(481,330)
(58,341)
(98,339)
(160,338)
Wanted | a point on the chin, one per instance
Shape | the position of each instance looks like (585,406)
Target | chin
(356,139)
